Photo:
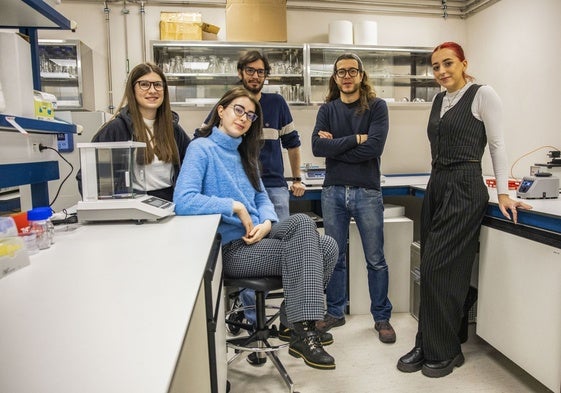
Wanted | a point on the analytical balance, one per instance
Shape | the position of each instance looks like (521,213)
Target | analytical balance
(113,184)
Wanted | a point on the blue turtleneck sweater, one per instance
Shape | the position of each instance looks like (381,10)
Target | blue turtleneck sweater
(212,178)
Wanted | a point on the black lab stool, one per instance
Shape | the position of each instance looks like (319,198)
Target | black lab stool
(257,340)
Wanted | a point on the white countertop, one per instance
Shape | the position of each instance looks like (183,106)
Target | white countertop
(550,207)
(105,309)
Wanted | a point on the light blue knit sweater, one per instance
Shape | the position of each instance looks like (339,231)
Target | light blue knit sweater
(212,178)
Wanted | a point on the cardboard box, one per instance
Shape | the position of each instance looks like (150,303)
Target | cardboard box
(256,20)
(185,26)
(181,26)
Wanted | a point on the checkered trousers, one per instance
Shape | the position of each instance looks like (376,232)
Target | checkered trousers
(294,250)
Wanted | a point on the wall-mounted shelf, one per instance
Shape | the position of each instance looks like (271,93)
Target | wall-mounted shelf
(32,14)
(34,125)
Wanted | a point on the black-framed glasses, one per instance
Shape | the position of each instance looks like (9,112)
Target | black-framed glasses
(341,72)
(240,111)
(250,71)
(145,85)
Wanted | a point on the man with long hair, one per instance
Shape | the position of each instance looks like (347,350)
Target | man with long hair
(350,132)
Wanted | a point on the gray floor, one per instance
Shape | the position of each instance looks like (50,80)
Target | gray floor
(365,365)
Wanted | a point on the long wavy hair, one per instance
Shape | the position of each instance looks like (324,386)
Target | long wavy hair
(251,141)
(458,51)
(165,147)
(367,92)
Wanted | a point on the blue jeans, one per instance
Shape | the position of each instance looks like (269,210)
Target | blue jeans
(280,197)
(339,204)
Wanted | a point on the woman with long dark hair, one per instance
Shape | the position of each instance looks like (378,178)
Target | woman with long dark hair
(145,115)
(221,176)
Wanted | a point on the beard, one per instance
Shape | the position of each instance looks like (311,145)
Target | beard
(254,90)
(350,90)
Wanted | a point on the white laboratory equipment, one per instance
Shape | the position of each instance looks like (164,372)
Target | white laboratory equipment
(540,186)
(113,184)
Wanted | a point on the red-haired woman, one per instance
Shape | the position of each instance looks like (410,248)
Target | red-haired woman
(463,120)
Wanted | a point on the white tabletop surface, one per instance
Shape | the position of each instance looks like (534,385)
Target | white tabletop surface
(105,309)
(550,207)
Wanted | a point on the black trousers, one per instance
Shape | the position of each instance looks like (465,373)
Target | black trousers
(453,209)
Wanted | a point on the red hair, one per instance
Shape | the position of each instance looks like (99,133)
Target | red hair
(458,51)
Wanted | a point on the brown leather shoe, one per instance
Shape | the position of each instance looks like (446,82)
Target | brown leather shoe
(329,322)
(385,332)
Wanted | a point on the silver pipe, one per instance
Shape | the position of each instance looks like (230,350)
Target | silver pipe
(143,29)
(476,6)
(106,10)
(125,13)
(455,8)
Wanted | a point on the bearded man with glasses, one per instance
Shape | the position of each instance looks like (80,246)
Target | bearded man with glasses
(350,132)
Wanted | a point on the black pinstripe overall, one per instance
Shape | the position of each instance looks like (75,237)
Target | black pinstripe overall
(453,209)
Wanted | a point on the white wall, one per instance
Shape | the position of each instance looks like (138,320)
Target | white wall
(514,47)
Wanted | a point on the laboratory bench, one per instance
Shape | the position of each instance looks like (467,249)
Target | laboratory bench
(117,307)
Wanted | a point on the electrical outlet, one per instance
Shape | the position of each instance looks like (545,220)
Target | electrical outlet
(34,141)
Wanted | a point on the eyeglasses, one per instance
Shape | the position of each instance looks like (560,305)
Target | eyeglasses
(250,71)
(145,85)
(240,111)
(341,72)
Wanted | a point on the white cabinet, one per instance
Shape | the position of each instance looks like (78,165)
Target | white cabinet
(202,364)
(519,305)
(398,235)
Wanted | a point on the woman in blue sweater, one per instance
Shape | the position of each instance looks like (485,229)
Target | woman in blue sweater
(222,177)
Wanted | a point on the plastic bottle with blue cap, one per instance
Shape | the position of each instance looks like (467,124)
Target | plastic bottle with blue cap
(40,223)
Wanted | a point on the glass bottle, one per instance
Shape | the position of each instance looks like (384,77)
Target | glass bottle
(41,225)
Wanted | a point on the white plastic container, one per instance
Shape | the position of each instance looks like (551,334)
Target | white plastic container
(365,33)
(16,75)
(341,32)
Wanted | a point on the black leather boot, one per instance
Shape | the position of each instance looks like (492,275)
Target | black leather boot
(285,334)
(305,343)
(412,361)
